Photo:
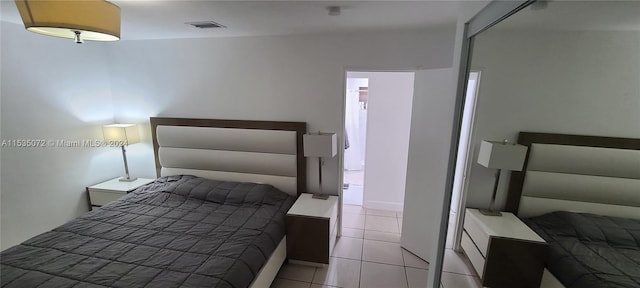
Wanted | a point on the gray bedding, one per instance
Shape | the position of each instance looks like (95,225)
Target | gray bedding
(591,251)
(179,231)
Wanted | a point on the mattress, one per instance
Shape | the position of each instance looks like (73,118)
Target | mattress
(178,231)
(591,251)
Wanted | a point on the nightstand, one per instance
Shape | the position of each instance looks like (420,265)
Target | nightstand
(503,250)
(105,192)
(311,229)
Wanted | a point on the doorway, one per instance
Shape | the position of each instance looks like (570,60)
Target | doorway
(357,96)
(377,125)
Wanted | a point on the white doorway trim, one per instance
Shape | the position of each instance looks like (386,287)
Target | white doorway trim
(343,108)
(466,150)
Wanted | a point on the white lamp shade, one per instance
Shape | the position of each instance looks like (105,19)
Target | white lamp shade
(320,145)
(500,155)
(96,20)
(121,134)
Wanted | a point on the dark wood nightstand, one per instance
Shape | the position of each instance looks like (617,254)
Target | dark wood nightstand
(503,250)
(311,229)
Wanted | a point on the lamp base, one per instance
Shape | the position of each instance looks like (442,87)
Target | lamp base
(489,212)
(320,196)
(125,179)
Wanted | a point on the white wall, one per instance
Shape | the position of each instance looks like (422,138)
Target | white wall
(387,143)
(289,78)
(51,89)
(558,82)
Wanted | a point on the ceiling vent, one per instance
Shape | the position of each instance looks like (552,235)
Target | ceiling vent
(206,24)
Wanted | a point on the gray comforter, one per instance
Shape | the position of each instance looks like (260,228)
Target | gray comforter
(178,231)
(591,251)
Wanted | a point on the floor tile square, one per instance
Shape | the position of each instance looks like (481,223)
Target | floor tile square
(353,220)
(352,232)
(340,272)
(382,252)
(353,209)
(411,260)
(382,236)
(382,224)
(296,272)
(378,212)
(376,275)
(453,280)
(417,278)
(347,247)
(456,263)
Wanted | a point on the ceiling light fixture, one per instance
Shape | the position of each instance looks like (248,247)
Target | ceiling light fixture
(334,10)
(539,5)
(96,20)
(206,24)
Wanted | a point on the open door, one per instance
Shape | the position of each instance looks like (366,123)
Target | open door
(429,144)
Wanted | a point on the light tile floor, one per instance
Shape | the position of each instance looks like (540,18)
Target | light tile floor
(368,255)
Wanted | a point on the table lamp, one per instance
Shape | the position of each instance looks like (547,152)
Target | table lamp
(122,135)
(500,155)
(320,145)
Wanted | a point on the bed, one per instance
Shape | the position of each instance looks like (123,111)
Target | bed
(582,195)
(213,218)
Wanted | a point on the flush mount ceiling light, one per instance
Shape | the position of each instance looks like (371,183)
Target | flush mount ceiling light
(334,10)
(96,20)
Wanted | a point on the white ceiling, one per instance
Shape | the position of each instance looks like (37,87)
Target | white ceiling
(162,19)
(611,15)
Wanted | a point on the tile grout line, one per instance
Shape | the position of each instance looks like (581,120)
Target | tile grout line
(406,274)
(362,249)
(372,239)
(382,263)
(315,270)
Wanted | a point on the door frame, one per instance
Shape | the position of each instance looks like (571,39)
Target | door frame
(468,162)
(343,109)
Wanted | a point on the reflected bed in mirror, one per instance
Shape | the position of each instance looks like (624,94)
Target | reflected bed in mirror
(566,68)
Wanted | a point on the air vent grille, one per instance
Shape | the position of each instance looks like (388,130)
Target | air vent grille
(206,24)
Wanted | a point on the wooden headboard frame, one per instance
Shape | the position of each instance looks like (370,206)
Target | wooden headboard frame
(527,138)
(299,128)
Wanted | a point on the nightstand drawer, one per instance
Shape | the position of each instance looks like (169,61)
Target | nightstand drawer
(102,197)
(312,227)
(478,234)
(503,250)
(308,239)
(477,260)
(333,225)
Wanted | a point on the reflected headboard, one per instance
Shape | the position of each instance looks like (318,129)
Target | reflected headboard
(232,150)
(590,174)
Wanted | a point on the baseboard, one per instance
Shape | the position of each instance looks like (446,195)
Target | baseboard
(391,206)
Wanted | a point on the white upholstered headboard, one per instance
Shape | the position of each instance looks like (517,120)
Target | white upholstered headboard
(232,150)
(599,175)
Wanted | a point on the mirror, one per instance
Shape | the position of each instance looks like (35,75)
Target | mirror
(561,67)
